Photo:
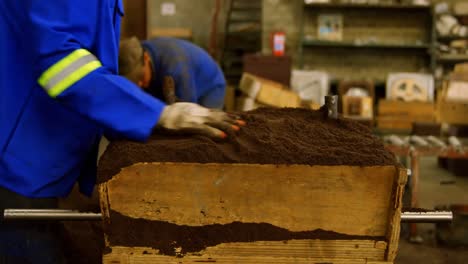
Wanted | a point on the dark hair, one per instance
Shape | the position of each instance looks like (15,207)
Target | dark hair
(131,59)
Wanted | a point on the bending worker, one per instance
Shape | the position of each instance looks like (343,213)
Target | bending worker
(59,92)
(173,70)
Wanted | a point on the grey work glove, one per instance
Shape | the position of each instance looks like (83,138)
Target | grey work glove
(193,117)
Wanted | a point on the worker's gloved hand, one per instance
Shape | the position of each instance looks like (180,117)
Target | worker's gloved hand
(193,117)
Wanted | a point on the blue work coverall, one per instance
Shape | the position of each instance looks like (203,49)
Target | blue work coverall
(197,77)
(59,92)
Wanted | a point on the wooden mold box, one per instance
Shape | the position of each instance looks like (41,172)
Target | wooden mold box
(355,201)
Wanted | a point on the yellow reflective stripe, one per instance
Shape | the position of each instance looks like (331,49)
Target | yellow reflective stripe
(60,65)
(73,78)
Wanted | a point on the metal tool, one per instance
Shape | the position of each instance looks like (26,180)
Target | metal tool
(49,215)
(426,217)
(70,215)
(331,102)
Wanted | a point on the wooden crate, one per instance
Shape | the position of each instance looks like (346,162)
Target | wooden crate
(358,201)
(268,92)
(401,115)
(358,107)
(452,112)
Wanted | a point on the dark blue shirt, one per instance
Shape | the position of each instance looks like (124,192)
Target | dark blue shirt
(198,78)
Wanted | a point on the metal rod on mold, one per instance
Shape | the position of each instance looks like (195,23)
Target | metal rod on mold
(70,215)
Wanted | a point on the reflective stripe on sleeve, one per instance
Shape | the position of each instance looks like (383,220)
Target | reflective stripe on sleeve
(68,71)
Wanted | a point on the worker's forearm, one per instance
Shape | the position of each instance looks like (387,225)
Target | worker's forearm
(115,103)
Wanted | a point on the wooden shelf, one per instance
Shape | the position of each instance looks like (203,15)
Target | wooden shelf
(369,6)
(321,43)
(246,20)
(368,36)
(452,58)
(450,38)
(244,33)
(377,82)
(253,8)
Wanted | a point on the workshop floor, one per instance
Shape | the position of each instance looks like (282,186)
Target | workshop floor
(433,193)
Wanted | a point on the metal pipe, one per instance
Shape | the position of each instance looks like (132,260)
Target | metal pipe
(16,211)
(70,215)
(426,217)
(49,215)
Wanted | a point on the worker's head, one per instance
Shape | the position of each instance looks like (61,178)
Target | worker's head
(135,62)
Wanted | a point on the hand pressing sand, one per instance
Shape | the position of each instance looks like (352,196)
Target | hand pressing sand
(272,136)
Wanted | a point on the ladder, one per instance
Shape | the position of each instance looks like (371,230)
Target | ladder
(243,35)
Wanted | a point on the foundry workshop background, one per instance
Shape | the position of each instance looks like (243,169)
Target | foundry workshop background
(345,138)
(376,39)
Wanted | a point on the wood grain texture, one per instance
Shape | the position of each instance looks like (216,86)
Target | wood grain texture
(393,232)
(362,201)
(145,259)
(295,251)
(394,114)
(405,109)
(343,199)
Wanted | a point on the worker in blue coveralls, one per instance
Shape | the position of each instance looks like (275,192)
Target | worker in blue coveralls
(59,92)
(173,70)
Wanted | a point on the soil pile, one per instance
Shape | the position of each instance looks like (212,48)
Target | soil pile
(272,136)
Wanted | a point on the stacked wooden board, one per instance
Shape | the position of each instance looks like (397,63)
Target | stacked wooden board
(399,115)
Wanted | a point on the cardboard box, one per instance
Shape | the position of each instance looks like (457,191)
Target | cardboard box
(361,107)
(410,87)
(453,110)
(400,115)
(311,85)
(268,92)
